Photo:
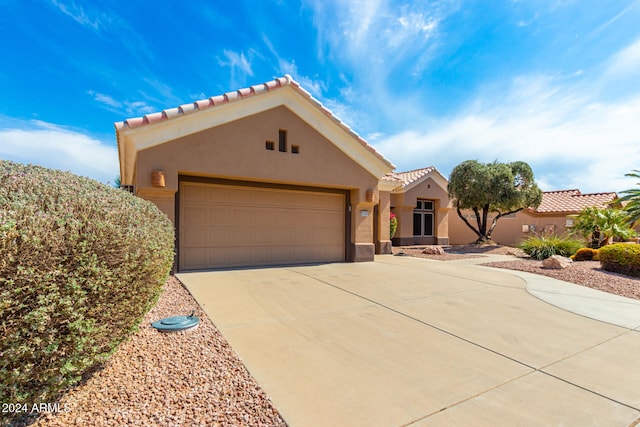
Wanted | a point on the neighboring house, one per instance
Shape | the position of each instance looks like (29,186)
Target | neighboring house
(261,176)
(422,206)
(554,215)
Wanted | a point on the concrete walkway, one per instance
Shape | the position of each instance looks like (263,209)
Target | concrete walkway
(588,302)
(406,341)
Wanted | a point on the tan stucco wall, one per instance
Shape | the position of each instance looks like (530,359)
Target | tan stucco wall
(237,151)
(508,231)
(383,243)
(404,204)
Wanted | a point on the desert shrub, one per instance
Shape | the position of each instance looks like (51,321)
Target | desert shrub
(544,246)
(80,265)
(585,254)
(623,258)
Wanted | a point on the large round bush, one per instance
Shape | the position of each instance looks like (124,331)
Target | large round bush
(80,265)
(623,258)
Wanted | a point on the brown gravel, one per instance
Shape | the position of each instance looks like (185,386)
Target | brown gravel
(455,252)
(585,273)
(189,378)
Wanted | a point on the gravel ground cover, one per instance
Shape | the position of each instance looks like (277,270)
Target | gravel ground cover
(189,378)
(454,252)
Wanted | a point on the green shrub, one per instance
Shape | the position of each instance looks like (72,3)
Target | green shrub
(80,265)
(623,258)
(586,254)
(544,246)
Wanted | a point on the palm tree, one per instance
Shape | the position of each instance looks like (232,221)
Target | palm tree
(602,225)
(632,196)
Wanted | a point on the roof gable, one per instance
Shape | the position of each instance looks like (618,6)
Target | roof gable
(138,133)
(407,180)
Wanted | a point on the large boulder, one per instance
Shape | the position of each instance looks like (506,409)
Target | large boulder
(556,262)
(433,250)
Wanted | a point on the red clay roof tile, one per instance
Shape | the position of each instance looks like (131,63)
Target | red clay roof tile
(572,201)
(413,175)
(239,94)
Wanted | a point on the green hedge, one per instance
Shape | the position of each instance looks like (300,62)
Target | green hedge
(543,246)
(80,265)
(623,258)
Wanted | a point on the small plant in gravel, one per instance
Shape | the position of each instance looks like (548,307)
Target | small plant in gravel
(623,258)
(543,246)
(585,254)
(80,265)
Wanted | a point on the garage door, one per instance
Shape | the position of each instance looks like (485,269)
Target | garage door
(233,226)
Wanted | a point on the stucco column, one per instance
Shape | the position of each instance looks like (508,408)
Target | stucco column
(362,246)
(404,232)
(383,240)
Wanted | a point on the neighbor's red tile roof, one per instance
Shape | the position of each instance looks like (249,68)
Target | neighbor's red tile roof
(237,95)
(573,201)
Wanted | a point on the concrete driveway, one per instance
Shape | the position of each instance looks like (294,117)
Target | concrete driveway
(405,341)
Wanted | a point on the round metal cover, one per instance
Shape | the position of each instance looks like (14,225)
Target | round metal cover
(176,323)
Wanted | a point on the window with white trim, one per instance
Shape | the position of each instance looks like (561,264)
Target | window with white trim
(423,218)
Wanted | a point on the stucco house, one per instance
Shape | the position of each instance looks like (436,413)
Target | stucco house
(260,176)
(422,206)
(554,215)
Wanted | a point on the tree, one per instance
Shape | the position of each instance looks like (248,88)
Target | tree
(502,188)
(632,196)
(602,225)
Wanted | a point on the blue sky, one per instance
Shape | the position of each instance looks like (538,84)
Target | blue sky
(555,83)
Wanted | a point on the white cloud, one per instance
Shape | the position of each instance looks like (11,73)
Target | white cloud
(78,14)
(314,86)
(125,107)
(569,139)
(56,147)
(105,99)
(626,62)
(239,64)
(376,36)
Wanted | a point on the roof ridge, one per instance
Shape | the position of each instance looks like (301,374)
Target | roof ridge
(203,104)
(254,90)
(563,191)
(418,169)
(603,193)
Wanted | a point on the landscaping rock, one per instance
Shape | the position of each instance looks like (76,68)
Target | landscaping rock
(517,253)
(556,262)
(433,250)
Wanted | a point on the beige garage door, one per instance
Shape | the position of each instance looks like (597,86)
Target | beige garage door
(234,226)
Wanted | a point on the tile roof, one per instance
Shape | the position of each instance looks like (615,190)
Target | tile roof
(409,177)
(234,96)
(572,201)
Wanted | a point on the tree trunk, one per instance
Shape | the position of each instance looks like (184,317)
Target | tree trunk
(468,224)
(485,217)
